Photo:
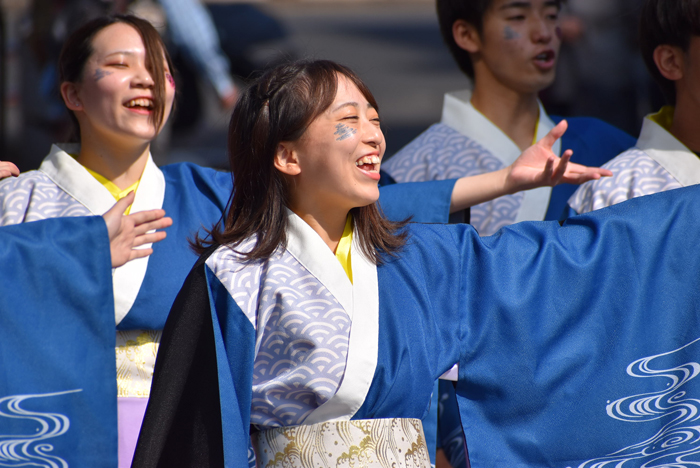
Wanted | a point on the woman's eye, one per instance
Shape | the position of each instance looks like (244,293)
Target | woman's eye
(516,18)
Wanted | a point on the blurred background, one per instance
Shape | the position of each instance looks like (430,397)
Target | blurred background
(394,45)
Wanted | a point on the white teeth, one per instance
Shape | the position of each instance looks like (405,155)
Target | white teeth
(140,103)
(367,160)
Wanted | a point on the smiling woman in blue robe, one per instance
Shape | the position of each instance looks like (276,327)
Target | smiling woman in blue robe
(318,327)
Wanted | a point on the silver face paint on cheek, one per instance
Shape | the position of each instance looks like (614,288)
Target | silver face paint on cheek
(509,34)
(100,73)
(343,132)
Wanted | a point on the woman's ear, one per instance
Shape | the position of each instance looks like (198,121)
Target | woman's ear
(466,36)
(286,159)
(670,61)
(69,93)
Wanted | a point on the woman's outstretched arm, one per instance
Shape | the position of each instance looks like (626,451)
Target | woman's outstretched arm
(536,167)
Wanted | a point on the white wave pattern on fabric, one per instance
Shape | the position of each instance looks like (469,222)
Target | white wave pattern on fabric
(677,444)
(302,334)
(442,153)
(32,197)
(30,449)
(634,174)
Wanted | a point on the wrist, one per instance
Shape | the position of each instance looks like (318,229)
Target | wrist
(508,185)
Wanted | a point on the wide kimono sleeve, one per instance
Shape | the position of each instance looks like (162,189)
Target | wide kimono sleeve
(423,202)
(57,367)
(582,341)
(199,409)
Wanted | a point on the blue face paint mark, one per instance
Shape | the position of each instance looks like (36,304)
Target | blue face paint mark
(509,34)
(343,132)
(100,73)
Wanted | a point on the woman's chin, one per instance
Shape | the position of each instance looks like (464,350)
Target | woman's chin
(368,199)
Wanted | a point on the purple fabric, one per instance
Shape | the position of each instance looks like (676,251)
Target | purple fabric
(130,412)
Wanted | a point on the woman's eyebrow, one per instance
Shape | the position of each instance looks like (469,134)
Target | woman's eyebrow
(120,52)
(346,104)
(351,104)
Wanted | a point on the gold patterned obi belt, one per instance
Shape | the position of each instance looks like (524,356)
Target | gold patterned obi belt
(371,443)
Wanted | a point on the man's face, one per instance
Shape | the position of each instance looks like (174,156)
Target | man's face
(519,44)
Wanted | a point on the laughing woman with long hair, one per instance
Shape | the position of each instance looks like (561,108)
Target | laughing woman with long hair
(312,328)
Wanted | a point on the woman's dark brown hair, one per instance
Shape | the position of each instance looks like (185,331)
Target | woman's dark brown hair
(279,106)
(78,48)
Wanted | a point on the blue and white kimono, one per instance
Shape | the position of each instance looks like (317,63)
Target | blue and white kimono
(289,349)
(466,143)
(51,402)
(143,290)
(658,162)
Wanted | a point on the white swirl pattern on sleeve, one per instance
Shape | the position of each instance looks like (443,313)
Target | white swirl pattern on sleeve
(442,153)
(634,174)
(32,197)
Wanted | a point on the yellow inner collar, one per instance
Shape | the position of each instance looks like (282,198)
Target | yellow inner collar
(664,118)
(116,192)
(342,252)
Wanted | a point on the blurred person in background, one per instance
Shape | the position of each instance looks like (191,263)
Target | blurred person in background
(190,35)
(192,31)
(665,156)
(509,51)
(602,35)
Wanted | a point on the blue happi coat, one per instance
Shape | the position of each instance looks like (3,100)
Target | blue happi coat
(548,323)
(57,393)
(139,295)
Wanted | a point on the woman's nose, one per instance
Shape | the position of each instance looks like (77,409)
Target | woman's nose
(143,78)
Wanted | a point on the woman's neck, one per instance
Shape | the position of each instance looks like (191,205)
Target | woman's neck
(515,113)
(327,224)
(123,165)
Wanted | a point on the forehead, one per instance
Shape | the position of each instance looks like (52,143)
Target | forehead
(348,93)
(117,37)
(500,5)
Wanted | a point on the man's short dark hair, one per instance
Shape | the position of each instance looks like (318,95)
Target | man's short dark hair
(471,11)
(667,22)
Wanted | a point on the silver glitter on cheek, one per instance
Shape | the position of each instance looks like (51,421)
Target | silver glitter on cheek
(509,34)
(343,132)
(100,73)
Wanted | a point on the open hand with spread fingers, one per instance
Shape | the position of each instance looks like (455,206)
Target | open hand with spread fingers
(538,166)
